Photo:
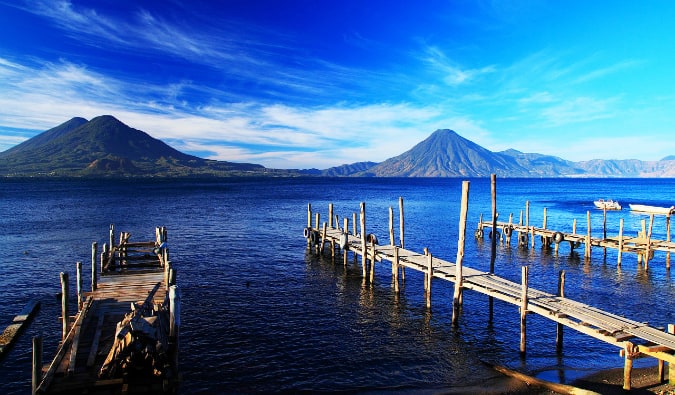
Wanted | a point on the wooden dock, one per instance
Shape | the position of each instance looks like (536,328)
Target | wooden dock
(634,339)
(642,244)
(124,336)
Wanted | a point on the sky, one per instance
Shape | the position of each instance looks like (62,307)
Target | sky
(299,84)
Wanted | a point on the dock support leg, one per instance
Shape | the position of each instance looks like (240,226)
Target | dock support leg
(457,297)
(78,271)
(523,310)
(671,367)
(618,259)
(394,269)
(430,275)
(559,329)
(64,305)
(629,352)
(94,275)
(364,249)
(37,363)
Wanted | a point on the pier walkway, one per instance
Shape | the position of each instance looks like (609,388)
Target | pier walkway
(635,339)
(121,338)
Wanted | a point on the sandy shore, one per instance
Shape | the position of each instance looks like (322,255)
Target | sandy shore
(643,381)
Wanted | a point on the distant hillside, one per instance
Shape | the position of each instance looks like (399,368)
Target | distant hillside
(447,154)
(105,146)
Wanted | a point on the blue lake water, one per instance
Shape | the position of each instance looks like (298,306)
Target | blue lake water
(262,314)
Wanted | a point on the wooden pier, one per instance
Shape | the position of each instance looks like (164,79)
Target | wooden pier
(642,244)
(124,336)
(634,339)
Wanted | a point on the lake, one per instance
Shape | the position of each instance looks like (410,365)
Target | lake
(262,314)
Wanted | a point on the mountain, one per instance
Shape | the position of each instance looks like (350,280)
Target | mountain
(106,146)
(447,154)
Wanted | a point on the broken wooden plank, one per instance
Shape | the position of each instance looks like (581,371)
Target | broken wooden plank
(12,332)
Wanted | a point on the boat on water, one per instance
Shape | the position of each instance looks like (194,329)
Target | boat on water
(643,208)
(607,204)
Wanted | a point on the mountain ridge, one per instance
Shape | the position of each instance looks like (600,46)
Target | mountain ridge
(106,147)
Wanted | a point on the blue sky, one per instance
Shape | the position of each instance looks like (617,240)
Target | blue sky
(301,84)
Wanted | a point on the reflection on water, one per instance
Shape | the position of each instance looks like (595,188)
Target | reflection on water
(261,314)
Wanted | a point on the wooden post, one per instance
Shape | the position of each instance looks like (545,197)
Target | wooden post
(37,363)
(400,222)
(112,236)
(309,221)
(493,242)
(401,231)
(648,249)
(523,310)
(588,235)
(391,225)
(364,250)
(372,262)
(345,220)
(544,224)
(618,259)
(508,239)
(323,237)
(78,273)
(527,213)
(394,269)
(671,367)
(574,226)
(457,297)
(561,294)
(64,305)
(629,352)
(668,240)
(174,322)
(532,235)
(104,254)
(330,215)
(94,275)
(430,275)
(317,218)
(355,224)
(493,239)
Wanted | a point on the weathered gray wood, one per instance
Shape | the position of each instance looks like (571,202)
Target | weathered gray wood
(523,309)
(93,352)
(64,305)
(457,295)
(36,376)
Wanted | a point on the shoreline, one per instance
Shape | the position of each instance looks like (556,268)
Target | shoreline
(644,380)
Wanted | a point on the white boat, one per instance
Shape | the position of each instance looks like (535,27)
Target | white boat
(652,209)
(608,204)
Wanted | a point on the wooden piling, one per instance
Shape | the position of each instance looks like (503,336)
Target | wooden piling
(64,305)
(457,296)
(430,275)
(78,272)
(364,250)
(94,275)
(394,268)
(523,310)
(587,253)
(668,239)
(346,247)
(391,225)
(648,247)
(629,351)
(559,329)
(309,221)
(671,367)
(37,363)
(618,259)
(323,237)
(493,239)
(401,231)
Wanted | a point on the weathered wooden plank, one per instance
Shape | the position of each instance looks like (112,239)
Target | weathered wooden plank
(13,330)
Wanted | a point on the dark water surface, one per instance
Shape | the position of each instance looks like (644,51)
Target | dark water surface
(261,314)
